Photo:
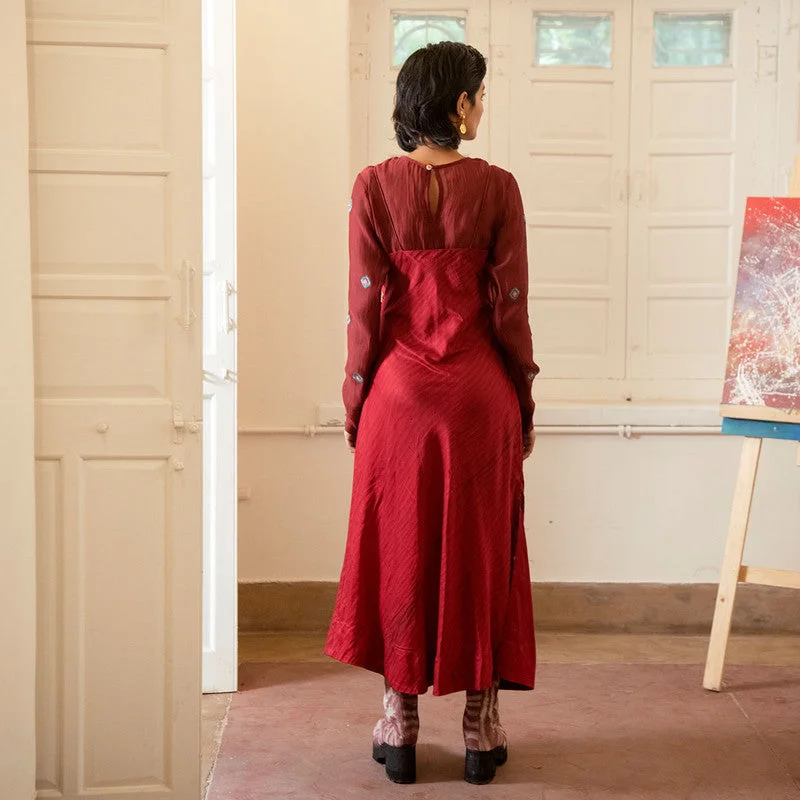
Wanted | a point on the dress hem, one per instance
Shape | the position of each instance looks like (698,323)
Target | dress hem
(354,661)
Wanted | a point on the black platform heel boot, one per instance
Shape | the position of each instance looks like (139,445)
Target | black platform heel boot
(394,740)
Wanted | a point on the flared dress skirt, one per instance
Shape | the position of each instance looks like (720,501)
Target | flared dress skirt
(435,588)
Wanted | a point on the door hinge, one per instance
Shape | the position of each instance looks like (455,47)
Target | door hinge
(228,375)
(768,62)
(360,62)
(230,317)
(180,425)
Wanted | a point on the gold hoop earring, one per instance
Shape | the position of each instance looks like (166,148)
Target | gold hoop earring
(463,128)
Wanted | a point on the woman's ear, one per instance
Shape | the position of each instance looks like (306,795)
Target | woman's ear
(462,104)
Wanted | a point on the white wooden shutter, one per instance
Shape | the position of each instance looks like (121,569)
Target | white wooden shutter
(569,152)
(702,140)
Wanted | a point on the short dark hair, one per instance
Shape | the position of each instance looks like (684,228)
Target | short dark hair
(428,87)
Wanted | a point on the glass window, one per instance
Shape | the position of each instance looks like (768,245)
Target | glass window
(412,31)
(573,40)
(692,40)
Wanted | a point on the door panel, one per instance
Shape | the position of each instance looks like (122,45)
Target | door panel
(701,137)
(116,238)
(569,105)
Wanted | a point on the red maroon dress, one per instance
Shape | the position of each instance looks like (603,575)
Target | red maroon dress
(435,588)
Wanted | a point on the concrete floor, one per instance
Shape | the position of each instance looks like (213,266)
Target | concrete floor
(215,712)
(610,650)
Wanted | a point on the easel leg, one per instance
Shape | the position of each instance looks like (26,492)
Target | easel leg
(732,563)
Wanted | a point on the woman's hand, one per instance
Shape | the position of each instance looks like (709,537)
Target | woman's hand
(350,438)
(528,440)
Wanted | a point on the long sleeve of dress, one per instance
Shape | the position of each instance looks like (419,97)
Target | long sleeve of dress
(508,286)
(369,265)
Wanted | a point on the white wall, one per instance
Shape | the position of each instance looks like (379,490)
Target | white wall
(292,74)
(599,508)
(293,140)
(17,532)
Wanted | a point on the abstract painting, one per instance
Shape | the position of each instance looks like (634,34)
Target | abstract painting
(762,380)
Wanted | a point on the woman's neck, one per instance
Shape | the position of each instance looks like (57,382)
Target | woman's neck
(435,155)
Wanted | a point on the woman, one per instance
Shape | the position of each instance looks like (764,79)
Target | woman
(435,588)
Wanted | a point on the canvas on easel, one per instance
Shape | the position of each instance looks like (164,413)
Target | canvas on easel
(762,380)
(761,396)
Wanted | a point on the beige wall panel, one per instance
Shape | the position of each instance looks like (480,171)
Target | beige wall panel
(708,175)
(560,255)
(694,111)
(570,183)
(571,111)
(100,98)
(101,348)
(690,255)
(575,327)
(128,574)
(98,10)
(702,328)
(99,224)
(49,624)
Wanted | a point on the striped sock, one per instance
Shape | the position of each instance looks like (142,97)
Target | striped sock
(482,728)
(399,725)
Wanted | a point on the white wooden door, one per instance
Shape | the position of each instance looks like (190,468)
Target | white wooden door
(219,346)
(569,98)
(703,138)
(115,125)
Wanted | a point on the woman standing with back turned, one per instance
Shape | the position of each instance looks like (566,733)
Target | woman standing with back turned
(435,588)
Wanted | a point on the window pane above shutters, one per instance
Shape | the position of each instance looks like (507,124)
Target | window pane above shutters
(573,40)
(413,31)
(692,40)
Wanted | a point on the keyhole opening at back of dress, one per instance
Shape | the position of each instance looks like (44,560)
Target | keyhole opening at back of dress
(433,193)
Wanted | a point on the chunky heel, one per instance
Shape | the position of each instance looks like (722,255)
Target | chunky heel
(480,766)
(400,762)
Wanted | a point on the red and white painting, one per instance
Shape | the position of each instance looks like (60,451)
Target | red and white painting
(763,373)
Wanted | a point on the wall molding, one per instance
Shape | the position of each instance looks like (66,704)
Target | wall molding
(578,607)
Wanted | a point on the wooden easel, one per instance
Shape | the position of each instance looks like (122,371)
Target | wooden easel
(733,572)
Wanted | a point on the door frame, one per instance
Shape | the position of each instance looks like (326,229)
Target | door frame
(220,417)
(17,519)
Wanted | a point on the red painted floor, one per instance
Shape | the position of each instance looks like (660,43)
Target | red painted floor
(588,731)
